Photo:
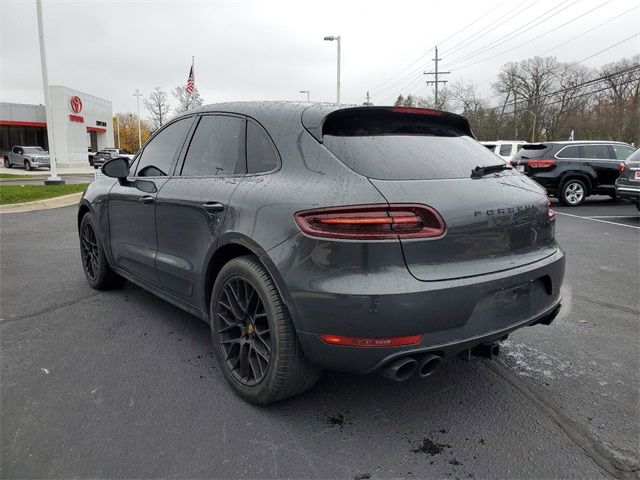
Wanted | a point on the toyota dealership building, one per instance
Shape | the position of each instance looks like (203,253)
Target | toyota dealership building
(80,123)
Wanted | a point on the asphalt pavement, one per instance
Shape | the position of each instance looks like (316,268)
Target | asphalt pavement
(120,384)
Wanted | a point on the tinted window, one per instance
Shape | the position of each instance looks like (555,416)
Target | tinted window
(569,152)
(594,151)
(261,153)
(535,150)
(158,155)
(622,151)
(505,149)
(215,147)
(410,157)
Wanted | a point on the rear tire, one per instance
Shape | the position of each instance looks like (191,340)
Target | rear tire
(94,262)
(573,192)
(254,338)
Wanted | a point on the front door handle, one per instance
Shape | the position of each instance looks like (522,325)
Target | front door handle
(213,207)
(146,200)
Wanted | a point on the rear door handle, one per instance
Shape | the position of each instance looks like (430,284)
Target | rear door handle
(146,200)
(213,207)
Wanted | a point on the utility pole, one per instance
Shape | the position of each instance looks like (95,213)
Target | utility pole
(368,102)
(138,95)
(53,179)
(118,129)
(436,77)
(308,92)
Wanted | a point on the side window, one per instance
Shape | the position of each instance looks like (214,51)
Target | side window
(215,147)
(622,151)
(505,149)
(595,151)
(569,152)
(16,150)
(157,156)
(261,153)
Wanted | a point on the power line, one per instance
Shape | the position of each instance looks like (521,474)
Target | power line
(609,48)
(589,30)
(487,29)
(516,33)
(431,49)
(532,39)
(574,87)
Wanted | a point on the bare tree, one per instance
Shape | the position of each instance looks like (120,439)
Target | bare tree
(187,101)
(158,106)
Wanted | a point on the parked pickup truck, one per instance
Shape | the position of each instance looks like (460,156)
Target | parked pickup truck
(27,157)
(107,154)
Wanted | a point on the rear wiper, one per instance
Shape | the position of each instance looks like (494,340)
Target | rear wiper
(482,171)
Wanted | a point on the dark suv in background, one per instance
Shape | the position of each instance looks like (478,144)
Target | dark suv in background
(572,171)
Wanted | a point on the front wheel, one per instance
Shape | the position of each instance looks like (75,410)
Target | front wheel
(27,165)
(573,192)
(7,163)
(254,338)
(94,262)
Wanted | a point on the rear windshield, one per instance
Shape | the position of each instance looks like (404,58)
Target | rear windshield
(532,151)
(410,157)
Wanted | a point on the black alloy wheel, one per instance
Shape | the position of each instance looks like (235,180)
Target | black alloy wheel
(243,331)
(89,251)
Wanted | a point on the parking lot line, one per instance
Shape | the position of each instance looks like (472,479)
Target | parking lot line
(598,220)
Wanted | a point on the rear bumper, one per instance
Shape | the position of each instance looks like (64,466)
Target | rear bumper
(369,300)
(367,360)
(628,193)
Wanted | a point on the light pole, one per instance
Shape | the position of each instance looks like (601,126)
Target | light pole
(533,130)
(53,179)
(138,95)
(308,92)
(338,39)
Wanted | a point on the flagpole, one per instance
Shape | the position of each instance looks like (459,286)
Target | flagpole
(193,71)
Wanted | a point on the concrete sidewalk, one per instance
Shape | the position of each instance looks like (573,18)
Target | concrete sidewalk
(43,172)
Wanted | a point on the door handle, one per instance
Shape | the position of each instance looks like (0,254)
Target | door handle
(213,207)
(146,200)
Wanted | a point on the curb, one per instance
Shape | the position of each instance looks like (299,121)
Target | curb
(46,204)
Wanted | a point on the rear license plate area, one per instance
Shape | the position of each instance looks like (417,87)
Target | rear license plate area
(520,168)
(637,175)
(514,302)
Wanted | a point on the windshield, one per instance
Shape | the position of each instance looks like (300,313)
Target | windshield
(410,157)
(34,150)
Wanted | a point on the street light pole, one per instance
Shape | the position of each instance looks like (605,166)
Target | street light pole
(338,39)
(53,177)
(533,130)
(138,95)
(308,92)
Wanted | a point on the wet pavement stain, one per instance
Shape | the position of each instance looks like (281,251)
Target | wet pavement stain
(362,476)
(430,447)
(339,420)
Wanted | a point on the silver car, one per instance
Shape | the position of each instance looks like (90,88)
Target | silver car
(27,157)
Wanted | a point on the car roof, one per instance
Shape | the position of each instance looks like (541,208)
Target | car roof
(287,114)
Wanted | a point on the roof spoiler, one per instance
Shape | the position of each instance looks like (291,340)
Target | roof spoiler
(357,121)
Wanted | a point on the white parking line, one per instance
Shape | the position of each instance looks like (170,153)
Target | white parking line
(610,216)
(598,220)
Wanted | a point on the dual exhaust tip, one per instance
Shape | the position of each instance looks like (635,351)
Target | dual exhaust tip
(404,368)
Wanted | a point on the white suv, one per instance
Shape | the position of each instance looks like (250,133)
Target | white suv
(506,149)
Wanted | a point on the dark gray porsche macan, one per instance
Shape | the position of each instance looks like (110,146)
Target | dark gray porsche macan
(317,237)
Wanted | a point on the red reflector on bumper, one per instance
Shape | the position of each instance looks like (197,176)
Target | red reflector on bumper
(371,342)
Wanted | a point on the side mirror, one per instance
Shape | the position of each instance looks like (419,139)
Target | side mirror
(116,168)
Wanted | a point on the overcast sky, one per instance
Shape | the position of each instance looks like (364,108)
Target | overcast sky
(250,50)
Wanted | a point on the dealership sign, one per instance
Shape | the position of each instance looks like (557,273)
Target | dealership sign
(76,107)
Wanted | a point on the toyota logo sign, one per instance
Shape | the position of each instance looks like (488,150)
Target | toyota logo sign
(76,104)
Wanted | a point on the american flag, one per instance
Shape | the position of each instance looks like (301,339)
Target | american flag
(190,82)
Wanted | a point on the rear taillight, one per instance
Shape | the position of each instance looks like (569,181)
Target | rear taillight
(550,211)
(621,167)
(541,163)
(372,222)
